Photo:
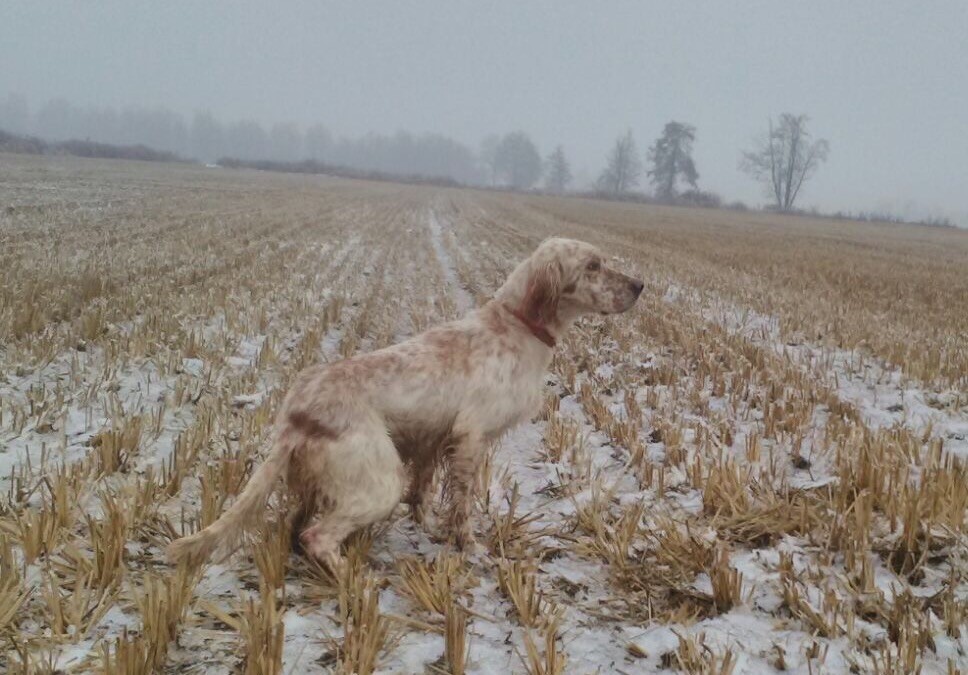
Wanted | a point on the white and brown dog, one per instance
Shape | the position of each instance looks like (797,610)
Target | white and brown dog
(351,435)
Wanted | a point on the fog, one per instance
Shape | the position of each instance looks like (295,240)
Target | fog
(886,83)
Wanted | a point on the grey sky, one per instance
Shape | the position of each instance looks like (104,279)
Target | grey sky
(886,82)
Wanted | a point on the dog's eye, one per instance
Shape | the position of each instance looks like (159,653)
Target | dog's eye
(593,266)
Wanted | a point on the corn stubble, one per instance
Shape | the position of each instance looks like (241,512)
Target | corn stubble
(694,451)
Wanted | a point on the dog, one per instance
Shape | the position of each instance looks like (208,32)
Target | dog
(351,437)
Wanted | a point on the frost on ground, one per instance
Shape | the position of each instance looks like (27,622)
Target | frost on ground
(464,300)
(702,491)
(882,394)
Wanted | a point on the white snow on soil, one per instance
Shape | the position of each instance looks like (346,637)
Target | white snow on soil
(594,642)
(882,394)
(465,302)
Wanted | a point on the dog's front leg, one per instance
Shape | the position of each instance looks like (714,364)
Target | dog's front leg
(463,464)
(420,495)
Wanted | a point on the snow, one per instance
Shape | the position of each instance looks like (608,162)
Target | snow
(137,388)
(465,302)
(882,394)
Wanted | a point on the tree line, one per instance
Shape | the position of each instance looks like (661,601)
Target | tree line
(782,160)
(205,138)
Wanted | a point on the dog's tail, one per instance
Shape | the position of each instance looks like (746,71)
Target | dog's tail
(225,533)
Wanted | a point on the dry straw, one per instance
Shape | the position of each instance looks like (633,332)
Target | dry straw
(713,421)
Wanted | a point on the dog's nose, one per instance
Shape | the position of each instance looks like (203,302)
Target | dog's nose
(637,286)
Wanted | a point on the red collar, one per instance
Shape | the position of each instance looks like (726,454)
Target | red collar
(536,329)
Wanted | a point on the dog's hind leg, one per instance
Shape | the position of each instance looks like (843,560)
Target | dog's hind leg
(300,518)
(360,481)
(321,541)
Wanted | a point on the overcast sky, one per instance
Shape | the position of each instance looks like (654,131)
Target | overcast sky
(885,81)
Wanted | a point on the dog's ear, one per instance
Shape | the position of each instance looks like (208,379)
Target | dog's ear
(543,292)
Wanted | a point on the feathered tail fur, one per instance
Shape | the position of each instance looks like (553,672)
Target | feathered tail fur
(225,533)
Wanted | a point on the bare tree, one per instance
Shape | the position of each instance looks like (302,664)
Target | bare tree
(785,159)
(671,157)
(518,161)
(559,171)
(624,167)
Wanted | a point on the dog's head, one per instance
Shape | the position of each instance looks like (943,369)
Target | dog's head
(567,278)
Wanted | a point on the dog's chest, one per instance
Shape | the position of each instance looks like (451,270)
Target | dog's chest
(508,396)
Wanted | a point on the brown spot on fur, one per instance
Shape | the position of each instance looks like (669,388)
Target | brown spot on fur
(452,347)
(540,302)
(495,322)
(310,427)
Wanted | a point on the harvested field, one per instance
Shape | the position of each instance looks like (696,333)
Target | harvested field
(760,468)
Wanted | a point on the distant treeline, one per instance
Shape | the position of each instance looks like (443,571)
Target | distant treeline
(877,217)
(699,198)
(314,167)
(782,159)
(710,200)
(205,138)
(31,145)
